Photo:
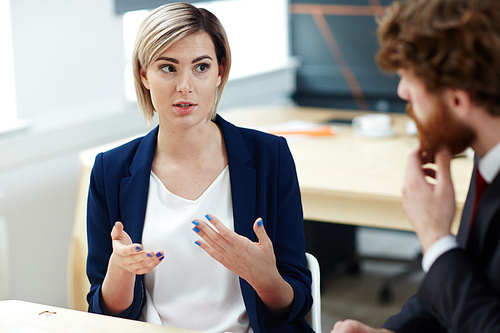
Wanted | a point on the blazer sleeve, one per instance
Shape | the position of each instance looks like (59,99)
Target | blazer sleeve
(289,242)
(100,220)
(460,293)
(414,318)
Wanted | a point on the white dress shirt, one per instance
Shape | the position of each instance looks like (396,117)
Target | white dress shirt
(189,289)
(489,166)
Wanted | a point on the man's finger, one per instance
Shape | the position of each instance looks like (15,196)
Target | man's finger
(443,161)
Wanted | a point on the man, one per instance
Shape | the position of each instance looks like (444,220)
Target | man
(447,53)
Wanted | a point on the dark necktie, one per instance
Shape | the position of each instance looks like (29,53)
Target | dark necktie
(481,186)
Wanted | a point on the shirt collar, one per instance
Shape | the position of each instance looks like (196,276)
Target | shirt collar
(489,164)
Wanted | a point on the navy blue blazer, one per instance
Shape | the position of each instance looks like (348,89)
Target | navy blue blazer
(461,291)
(263,184)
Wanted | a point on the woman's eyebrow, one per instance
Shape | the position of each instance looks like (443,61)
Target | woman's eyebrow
(201,58)
(175,61)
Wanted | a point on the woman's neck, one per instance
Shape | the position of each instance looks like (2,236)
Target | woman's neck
(188,144)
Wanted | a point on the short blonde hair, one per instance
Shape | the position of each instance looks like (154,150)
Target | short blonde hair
(166,25)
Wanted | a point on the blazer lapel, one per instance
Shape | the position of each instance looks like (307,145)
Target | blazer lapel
(487,206)
(135,188)
(244,193)
(243,179)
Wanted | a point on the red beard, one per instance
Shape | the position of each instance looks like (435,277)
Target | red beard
(441,129)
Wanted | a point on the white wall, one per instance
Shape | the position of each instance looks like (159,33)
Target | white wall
(69,82)
(67,57)
(69,62)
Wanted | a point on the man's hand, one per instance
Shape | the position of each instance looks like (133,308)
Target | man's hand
(353,326)
(429,205)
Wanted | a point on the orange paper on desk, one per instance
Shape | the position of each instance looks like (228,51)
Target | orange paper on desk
(300,128)
(321,131)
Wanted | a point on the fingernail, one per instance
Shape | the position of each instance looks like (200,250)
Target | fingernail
(195,222)
(196,229)
(260,223)
(197,243)
(162,258)
(138,248)
(149,255)
(208,217)
(158,254)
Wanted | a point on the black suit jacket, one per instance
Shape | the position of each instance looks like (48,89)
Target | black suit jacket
(461,291)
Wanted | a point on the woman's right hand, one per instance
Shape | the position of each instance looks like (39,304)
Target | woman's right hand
(130,256)
(127,260)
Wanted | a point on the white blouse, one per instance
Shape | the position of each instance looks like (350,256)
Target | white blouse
(189,289)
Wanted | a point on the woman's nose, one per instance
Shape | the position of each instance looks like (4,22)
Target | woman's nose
(184,84)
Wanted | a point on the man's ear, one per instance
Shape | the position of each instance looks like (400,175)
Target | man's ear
(458,101)
(144,77)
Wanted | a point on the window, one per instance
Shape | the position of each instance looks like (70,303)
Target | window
(257,31)
(8,113)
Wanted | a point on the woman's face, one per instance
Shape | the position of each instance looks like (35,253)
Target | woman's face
(183,81)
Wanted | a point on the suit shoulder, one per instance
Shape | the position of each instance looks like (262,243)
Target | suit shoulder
(268,147)
(123,152)
(259,137)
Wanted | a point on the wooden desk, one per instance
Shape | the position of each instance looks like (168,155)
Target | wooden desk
(15,315)
(343,179)
(348,178)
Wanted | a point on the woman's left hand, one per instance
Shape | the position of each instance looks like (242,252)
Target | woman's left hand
(254,262)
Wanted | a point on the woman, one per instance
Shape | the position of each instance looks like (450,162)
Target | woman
(205,218)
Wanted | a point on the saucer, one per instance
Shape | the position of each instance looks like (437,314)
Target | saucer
(385,133)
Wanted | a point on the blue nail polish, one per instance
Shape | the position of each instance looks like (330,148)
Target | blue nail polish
(162,258)
(260,223)
(197,243)
(158,254)
(138,248)
(149,255)
(208,217)
(195,222)
(196,229)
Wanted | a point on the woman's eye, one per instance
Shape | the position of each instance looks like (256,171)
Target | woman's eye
(167,68)
(202,68)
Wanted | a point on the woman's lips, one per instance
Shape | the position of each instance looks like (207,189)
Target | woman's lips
(184,107)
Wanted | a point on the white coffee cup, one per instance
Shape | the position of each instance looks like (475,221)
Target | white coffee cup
(373,125)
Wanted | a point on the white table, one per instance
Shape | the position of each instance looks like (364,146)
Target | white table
(25,317)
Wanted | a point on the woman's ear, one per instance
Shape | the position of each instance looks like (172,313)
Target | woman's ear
(144,77)
(221,72)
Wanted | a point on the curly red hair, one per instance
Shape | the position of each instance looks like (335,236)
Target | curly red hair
(447,44)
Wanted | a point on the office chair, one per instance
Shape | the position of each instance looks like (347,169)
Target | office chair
(78,284)
(314,315)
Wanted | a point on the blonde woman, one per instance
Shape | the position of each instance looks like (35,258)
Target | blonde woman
(198,224)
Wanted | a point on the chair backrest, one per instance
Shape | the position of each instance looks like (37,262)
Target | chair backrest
(78,284)
(315,313)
